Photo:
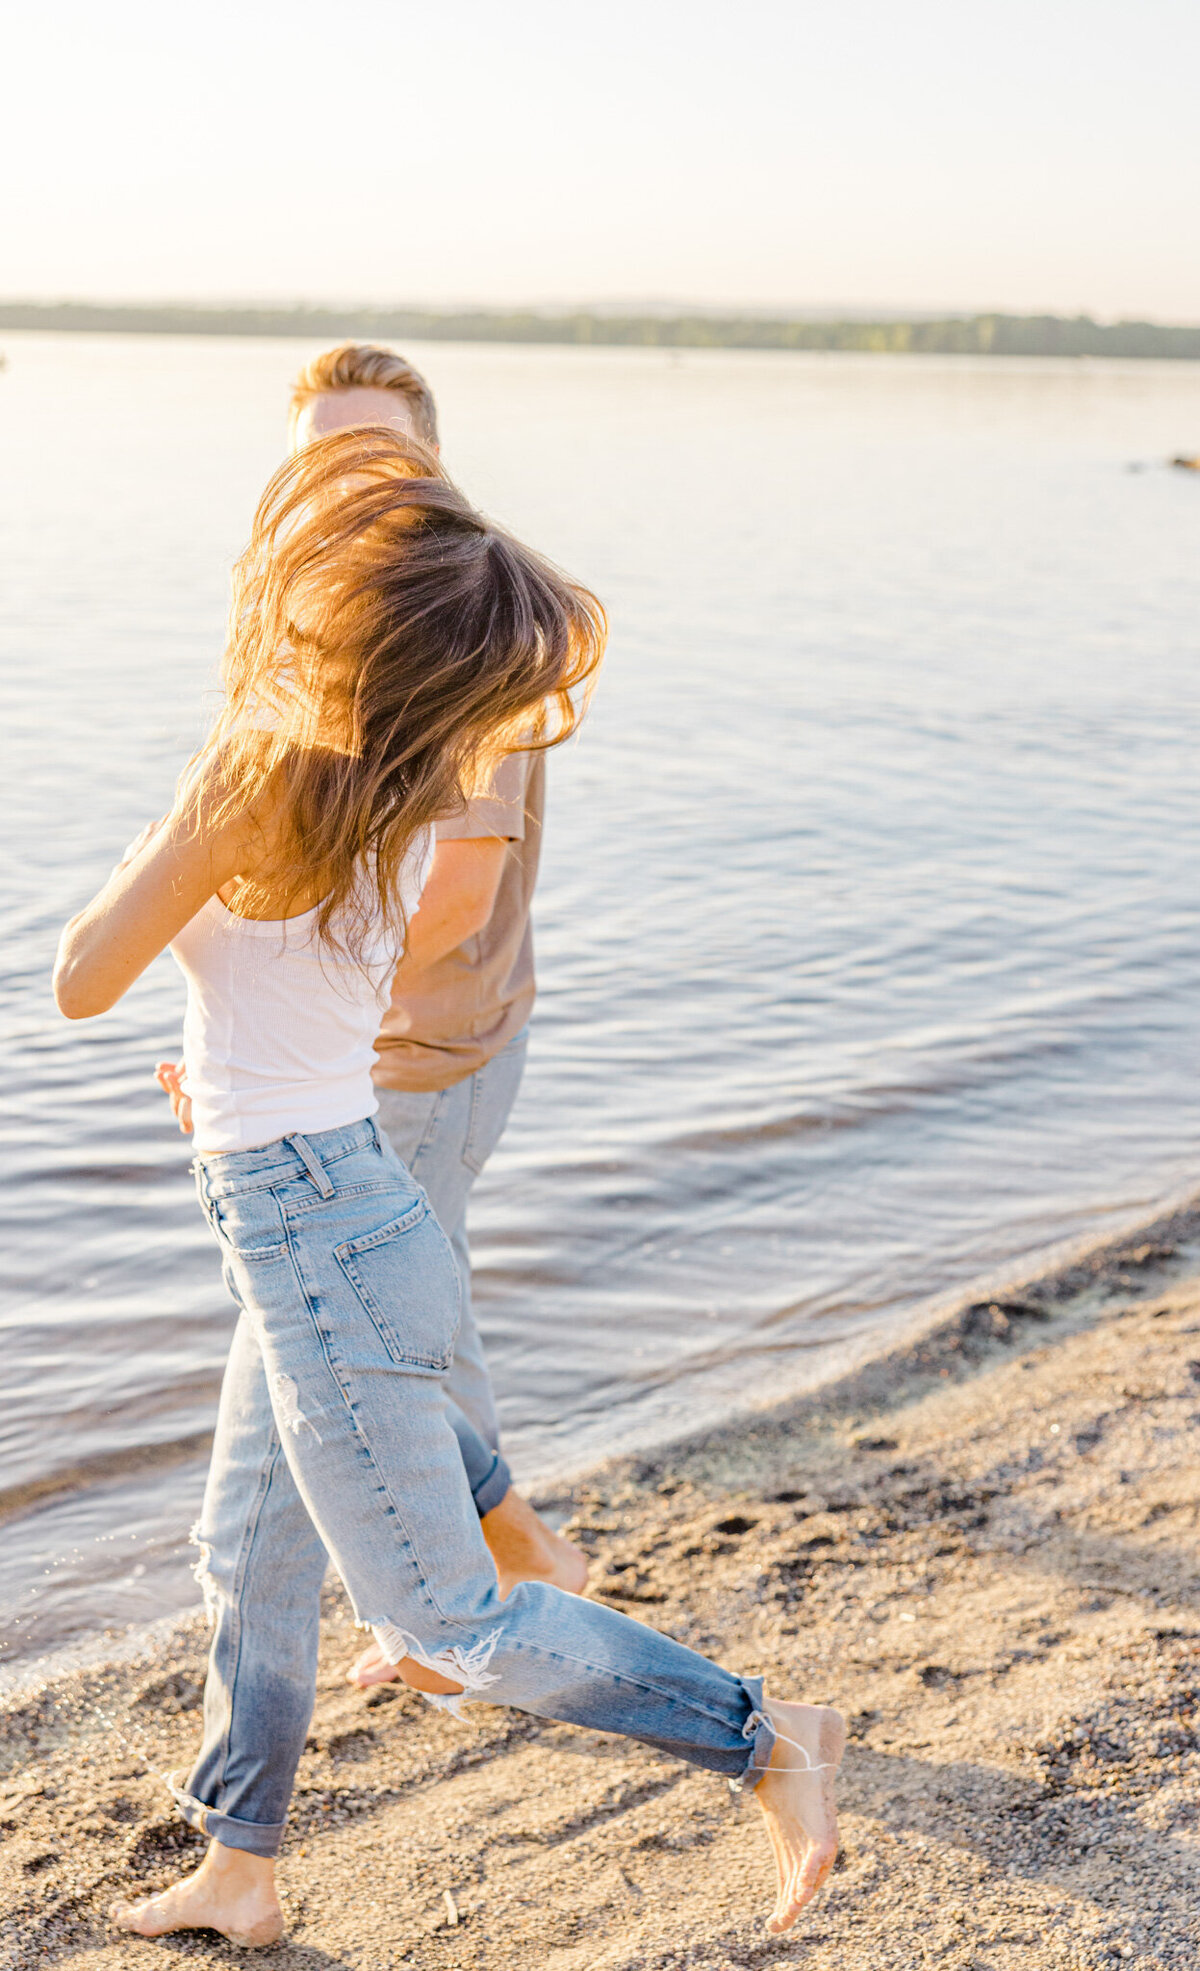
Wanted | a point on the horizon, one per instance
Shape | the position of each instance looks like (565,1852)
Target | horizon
(760,166)
(554,310)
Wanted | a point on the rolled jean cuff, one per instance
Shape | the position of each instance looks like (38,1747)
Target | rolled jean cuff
(253,1836)
(488,1491)
(761,1735)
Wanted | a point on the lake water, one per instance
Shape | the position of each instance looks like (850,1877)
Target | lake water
(868,928)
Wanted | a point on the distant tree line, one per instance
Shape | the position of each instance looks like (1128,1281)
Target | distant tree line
(968,335)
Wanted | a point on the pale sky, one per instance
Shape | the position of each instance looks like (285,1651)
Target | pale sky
(946,153)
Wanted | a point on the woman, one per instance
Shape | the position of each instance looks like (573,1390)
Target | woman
(386,646)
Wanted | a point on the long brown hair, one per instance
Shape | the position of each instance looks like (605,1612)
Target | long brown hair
(387,644)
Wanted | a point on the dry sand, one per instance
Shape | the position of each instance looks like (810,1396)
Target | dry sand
(984,1549)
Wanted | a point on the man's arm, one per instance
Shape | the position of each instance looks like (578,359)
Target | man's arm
(457,900)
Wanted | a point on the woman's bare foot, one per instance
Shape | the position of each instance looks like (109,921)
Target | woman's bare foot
(231,1891)
(523,1548)
(796,1794)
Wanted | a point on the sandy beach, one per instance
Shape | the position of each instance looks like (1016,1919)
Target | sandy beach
(984,1547)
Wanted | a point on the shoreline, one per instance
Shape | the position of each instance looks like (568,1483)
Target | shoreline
(984,1544)
(990,334)
(1056,1271)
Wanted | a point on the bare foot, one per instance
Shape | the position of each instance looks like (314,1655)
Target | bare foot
(231,1891)
(523,1548)
(372,1667)
(796,1794)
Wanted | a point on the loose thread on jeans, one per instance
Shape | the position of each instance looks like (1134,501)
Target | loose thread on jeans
(809,1766)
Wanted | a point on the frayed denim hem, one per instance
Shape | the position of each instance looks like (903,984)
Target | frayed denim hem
(254,1837)
(468,1667)
(760,1733)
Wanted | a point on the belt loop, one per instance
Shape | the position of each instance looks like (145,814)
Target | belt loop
(312,1163)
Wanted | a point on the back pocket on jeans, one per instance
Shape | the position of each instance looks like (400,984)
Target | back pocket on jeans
(406,1278)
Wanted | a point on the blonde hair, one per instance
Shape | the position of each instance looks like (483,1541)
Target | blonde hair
(366,366)
(387,645)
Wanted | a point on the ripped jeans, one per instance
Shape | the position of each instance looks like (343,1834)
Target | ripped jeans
(349,1299)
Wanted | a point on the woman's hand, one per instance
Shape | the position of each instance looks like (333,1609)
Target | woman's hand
(169,1076)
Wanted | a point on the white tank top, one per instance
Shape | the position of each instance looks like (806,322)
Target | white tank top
(280,1027)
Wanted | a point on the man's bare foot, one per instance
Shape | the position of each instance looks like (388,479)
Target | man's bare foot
(231,1891)
(796,1794)
(523,1548)
(372,1667)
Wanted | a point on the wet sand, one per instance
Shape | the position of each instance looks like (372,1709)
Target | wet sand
(985,1548)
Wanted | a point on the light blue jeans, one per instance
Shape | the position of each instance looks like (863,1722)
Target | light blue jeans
(445,1137)
(349,1300)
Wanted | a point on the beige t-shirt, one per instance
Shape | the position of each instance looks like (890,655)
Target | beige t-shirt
(472,1002)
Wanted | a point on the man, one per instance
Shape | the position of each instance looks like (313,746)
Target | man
(452,1047)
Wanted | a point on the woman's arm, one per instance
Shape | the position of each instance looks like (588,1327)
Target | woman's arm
(143,905)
